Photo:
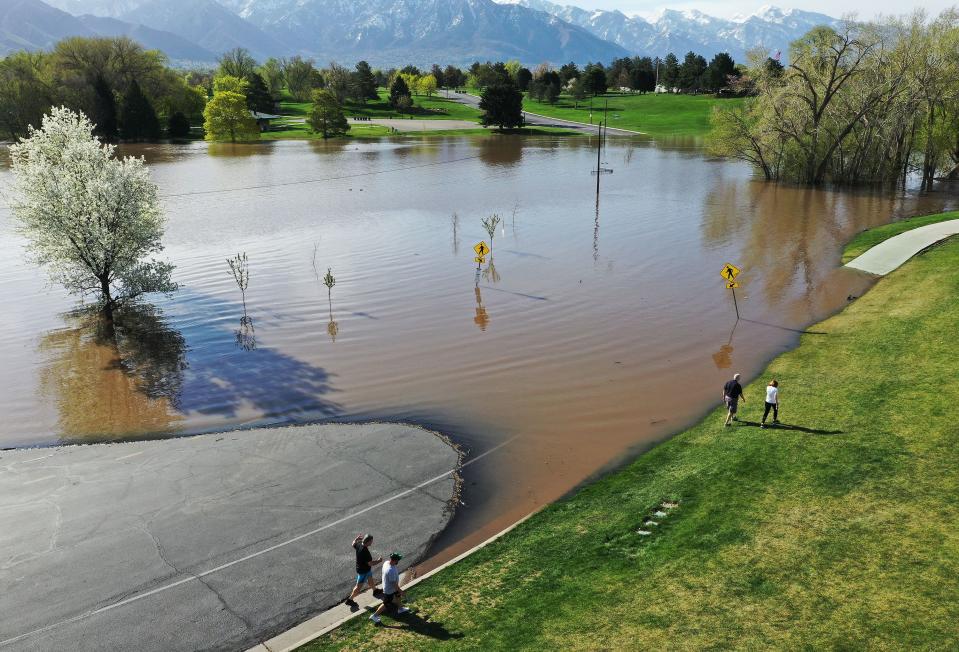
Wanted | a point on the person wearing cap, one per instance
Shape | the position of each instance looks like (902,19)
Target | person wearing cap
(732,392)
(364,567)
(392,595)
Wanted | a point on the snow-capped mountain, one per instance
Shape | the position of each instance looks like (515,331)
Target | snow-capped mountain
(393,32)
(678,32)
(384,32)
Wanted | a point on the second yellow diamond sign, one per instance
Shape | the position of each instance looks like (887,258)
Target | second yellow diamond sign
(482,249)
(730,271)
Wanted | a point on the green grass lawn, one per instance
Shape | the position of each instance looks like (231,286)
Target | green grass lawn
(426,108)
(838,530)
(654,114)
(300,131)
(871,237)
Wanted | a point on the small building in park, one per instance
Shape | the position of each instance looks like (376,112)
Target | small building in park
(263,119)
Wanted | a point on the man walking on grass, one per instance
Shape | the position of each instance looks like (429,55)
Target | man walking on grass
(364,567)
(392,595)
(732,392)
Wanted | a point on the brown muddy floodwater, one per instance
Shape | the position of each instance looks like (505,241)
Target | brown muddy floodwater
(587,336)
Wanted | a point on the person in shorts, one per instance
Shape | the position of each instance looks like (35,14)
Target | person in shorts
(392,595)
(732,392)
(364,567)
(772,402)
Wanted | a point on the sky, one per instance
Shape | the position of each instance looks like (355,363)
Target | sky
(730,8)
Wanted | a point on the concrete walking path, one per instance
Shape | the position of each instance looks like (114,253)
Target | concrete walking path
(890,254)
(341,614)
(217,541)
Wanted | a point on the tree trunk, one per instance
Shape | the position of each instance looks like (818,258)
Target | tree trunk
(107,298)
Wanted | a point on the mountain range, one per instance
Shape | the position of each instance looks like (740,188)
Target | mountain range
(770,28)
(394,32)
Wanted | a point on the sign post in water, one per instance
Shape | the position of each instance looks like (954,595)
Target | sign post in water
(729,273)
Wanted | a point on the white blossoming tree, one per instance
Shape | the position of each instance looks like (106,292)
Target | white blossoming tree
(93,220)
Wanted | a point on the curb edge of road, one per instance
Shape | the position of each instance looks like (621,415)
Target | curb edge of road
(333,618)
(572,122)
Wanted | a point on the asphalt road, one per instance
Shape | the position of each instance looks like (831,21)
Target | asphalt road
(541,121)
(209,542)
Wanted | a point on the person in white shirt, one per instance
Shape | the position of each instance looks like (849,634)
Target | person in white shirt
(392,595)
(772,402)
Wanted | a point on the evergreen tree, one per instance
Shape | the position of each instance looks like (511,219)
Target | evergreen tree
(502,105)
(104,114)
(453,77)
(719,70)
(138,120)
(364,82)
(523,78)
(398,89)
(437,72)
(258,96)
(691,72)
(669,75)
(327,115)
(595,77)
(568,72)
(178,126)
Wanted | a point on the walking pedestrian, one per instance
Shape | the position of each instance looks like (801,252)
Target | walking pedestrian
(732,392)
(772,402)
(392,594)
(364,567)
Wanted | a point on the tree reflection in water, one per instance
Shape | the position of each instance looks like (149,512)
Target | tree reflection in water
(140,378)
(114,380)
(246,333)
(490,275)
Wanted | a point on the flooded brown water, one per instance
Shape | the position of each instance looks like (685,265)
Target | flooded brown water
(588,335)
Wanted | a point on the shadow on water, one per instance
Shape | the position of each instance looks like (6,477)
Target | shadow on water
(142,376)
(220,380)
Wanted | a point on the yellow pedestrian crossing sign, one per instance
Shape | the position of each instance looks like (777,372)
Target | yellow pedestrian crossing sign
(481,249)
(731,285)
(729,271)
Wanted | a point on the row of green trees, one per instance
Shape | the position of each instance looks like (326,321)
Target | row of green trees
(640,74)
(128,92)
(869,103)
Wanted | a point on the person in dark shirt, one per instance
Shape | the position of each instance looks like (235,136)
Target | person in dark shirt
(364,567)
(732,392)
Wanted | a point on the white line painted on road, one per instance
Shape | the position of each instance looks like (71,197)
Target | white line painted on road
(36,480)
(128,456)
(33,459)
(216,569)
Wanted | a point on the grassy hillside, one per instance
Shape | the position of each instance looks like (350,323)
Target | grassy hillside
(425,108)
(657,115)
(836,530)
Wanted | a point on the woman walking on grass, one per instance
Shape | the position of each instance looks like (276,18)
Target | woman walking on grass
(772,402)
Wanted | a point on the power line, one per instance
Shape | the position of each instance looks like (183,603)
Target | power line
(318,180)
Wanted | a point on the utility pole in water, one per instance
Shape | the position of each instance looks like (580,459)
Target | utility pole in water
(605,121)
(599,146)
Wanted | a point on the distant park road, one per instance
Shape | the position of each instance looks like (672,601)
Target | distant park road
(211,542)
(542,120)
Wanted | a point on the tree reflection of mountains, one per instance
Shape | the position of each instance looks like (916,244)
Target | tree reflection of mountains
(115,381)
